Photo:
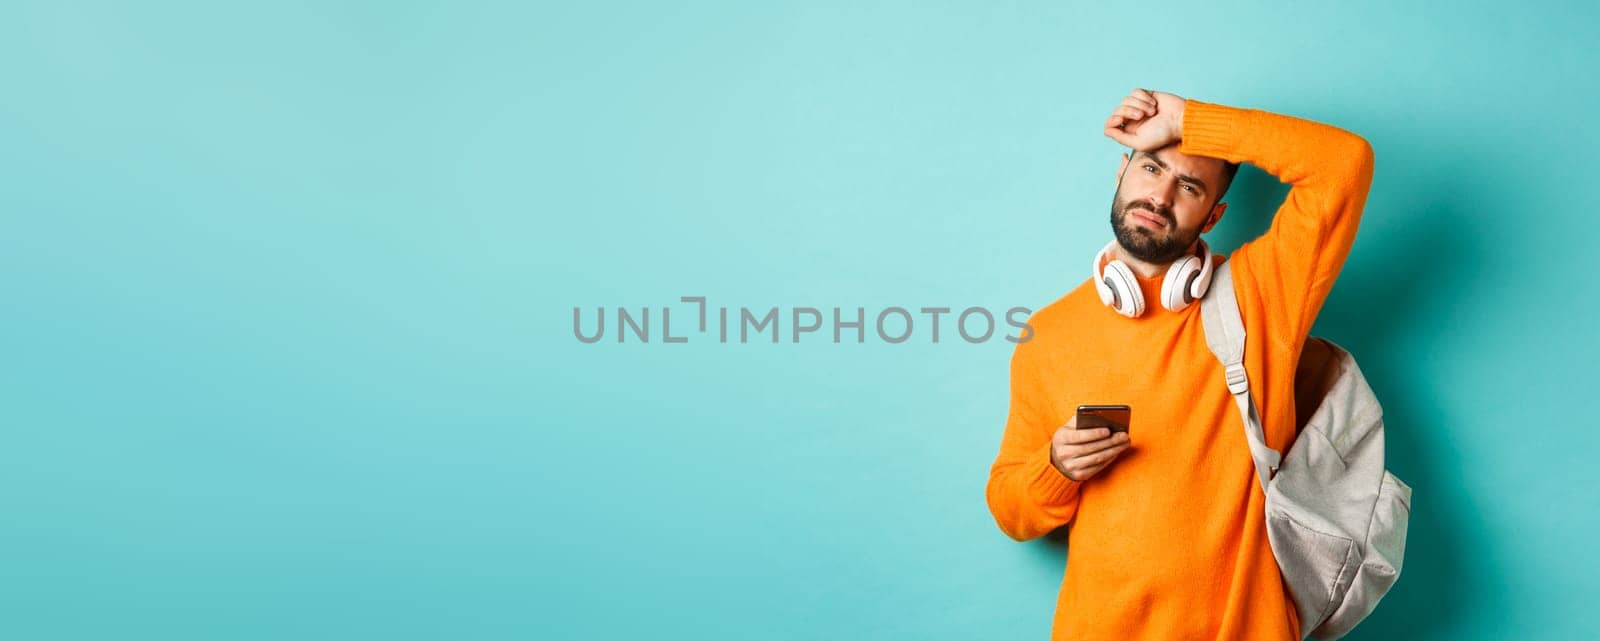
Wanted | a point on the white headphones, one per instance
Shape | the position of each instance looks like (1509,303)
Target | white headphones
(1186,282)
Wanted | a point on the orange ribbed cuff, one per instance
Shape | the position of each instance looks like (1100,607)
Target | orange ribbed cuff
(1212,130)
(1047,484)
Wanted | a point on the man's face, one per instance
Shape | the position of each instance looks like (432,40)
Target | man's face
(1163,202)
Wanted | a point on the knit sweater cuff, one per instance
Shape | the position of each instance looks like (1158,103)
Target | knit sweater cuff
(1048,485)
(1212,130)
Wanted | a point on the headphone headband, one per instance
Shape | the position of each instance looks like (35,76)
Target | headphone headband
(1187,280)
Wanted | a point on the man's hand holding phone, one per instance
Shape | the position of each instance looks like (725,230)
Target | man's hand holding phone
(1082,453)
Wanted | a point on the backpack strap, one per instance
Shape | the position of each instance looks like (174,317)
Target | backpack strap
(1219,313)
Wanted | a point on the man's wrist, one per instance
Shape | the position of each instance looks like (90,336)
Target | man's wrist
(1177,120)
(1047,483)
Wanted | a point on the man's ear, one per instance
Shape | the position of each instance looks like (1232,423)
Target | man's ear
(1216,215)
(1123,167)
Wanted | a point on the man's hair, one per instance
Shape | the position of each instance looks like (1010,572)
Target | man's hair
(1228,170)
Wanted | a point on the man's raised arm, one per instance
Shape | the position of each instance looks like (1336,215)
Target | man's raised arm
(1329,169)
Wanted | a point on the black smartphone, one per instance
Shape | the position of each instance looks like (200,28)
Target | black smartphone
(1116,417)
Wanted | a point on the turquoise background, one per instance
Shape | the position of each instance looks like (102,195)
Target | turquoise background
(287,296)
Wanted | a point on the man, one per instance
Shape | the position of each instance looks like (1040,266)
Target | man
(1167,528)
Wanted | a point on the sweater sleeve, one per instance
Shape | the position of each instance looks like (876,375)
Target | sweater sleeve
(1027,495)
(1329,171)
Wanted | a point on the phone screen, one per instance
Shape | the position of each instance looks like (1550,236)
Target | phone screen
(1116,417)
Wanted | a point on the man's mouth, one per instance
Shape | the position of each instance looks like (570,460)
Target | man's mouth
(1148,218)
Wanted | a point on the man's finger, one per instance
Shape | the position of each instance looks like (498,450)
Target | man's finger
(1097,459)
(1093,447)
(1073,437)
(1089,472)
(1122,137)
(1131,113)
(1136,103)
(1082,472)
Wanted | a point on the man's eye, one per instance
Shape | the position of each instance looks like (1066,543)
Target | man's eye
(1150,168)
(1189,188)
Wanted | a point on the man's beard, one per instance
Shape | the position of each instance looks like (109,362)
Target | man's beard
(1144,243)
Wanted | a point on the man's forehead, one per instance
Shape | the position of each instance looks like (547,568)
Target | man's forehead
(1170,156)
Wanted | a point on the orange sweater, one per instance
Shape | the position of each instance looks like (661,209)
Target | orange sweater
(1169,542)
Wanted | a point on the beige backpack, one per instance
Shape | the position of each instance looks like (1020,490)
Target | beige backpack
(1335,517)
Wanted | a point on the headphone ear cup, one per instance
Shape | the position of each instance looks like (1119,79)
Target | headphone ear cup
(1125,288)
(1202,282)
(1175,287)
(1107,297)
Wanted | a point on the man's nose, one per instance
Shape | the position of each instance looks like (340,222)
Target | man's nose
(1161,196)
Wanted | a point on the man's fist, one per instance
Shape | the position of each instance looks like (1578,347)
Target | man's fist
(1147,120)
(1081,454)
